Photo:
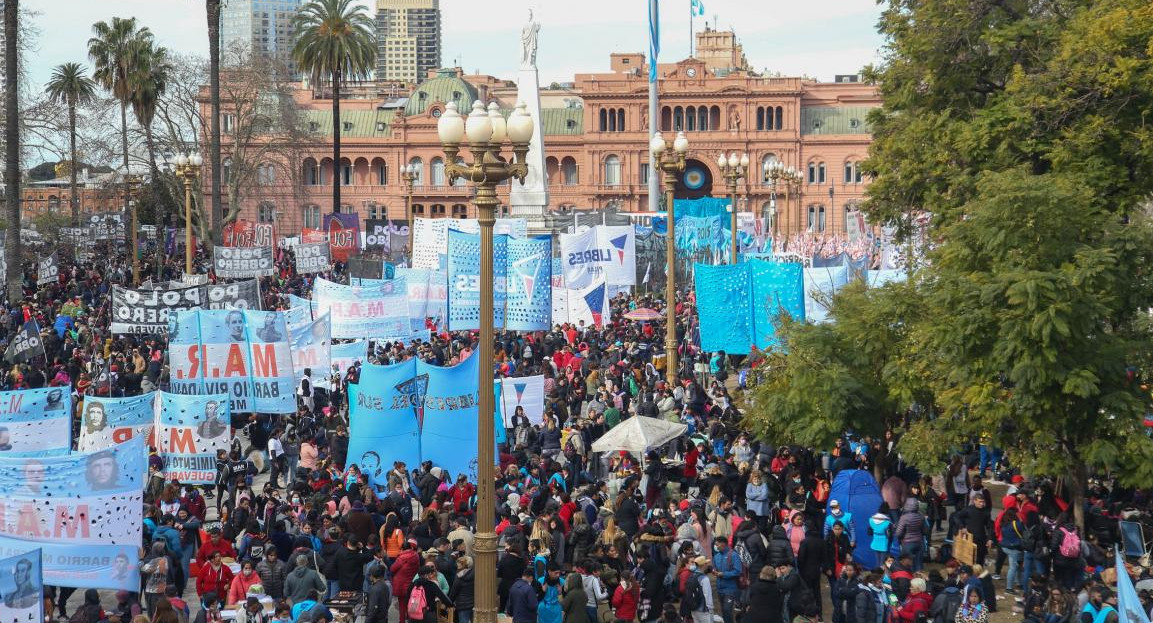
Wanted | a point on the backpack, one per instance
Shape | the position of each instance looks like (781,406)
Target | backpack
(694,597)
(1070,544)
(417,603)
(949,607)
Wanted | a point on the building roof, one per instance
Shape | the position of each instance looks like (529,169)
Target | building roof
(364,123)
(562,121)
(817,120)
(446,87)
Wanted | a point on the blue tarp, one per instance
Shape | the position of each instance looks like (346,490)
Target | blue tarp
(858,493)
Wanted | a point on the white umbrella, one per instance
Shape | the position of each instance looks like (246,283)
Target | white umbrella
(638,435)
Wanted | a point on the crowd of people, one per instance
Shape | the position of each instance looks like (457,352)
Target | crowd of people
(715,526)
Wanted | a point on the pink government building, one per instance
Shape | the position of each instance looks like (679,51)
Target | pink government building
(595,141)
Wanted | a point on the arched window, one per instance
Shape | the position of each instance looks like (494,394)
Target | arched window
(820,172)
(460,181)
(678,119)
(438,210)
(820,218)
(760,117)
(780,121)
(459,210)
(345,172)
(612,171)
(418,170)
(437,165)
(766,161)
(380,171)
(715,117)
(690,119)
(604,120)
(568,171)
(812,172)
(666,119)
(311,172)
(620,120)
(311,217)
(612,115)
(703,119)
(551,166)
(418,210)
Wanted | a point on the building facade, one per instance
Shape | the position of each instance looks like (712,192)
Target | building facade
(596,136)
(263,27)
(407,39)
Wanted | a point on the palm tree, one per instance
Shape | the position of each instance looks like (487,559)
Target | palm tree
(212,7)
(334,41)
(70,85)
(148,81)
(12,247)
(116,51)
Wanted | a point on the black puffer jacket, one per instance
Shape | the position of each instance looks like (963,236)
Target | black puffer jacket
(780,550)
(461,592)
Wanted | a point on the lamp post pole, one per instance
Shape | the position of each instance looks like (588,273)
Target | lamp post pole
(733,169)
(486,132)
(188,170)
(132,191)
(776,173)
(671,161)
(408,176)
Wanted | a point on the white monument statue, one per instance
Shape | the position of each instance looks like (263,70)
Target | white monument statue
(531,199)
(528,37)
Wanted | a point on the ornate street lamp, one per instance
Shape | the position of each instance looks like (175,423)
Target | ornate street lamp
(670,160)
(188,170)
(780,177)
(408,176)
(733,169)
(486,132)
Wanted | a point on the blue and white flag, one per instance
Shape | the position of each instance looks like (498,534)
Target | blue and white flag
(697,8)
(528,281)
(35,422)
(189,431)
(22,585)
(464,285)
(654,38)
(427,293)
(1129,608)
(525,392)
(105,422)
(311,348)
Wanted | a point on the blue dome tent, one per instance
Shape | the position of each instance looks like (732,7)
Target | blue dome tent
(857,492)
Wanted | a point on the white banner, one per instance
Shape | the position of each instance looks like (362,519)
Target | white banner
(526,392)
(602,250)
(430,236)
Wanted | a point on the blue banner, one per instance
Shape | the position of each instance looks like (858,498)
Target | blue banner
(529,304)
(738,304)
(449,432)
(376,312)
(300,312)
(342,357)
(189,431)
(311,349)
(427,293)
(464,280)
(113,567)
(82,498)
(22,586)
(821,285)
(383,421)
(244,354)
(36,422)
(105,422)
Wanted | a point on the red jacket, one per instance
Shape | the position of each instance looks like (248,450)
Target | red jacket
(461,497)
(214,580)
(404,569)
(209,548)
(914,603)
(625,602)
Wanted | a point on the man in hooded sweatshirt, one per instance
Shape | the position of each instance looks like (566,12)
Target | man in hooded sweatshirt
(301,580)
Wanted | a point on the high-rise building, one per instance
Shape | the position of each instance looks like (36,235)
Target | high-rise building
(407,39)
(263,27)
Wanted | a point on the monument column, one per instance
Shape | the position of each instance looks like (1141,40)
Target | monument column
(530,200)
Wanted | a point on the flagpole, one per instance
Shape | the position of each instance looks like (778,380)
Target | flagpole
(692,16)
(654,46)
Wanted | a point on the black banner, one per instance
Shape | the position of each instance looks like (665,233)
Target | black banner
(365,269)
(147,311)
(107,226)
(312,257)
(242,262)
(47,270)
(25,344)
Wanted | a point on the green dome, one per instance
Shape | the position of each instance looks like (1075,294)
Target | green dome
(446,87)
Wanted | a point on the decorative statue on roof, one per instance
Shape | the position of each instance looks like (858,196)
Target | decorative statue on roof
(528,37)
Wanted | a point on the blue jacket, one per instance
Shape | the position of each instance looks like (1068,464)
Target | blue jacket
(522,602)
(845,518)
(171,538)
(728,565)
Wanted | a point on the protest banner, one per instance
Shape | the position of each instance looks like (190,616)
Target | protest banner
(115,567)
(107,226)
(312,257)
(342,357)
(25,344)
(189,431)
(245,354)
(430,237)
(343,230)
(608,251)
(526,392)
(47,270)
(527,284)
(242,263)
(245,233)
(381,234)
(86,498)
(299,313)
(427,292)
(147,311)
(311,344)
(22,585)
(105,422)
(376,312)
(464,287)
(35,422)
(411,412)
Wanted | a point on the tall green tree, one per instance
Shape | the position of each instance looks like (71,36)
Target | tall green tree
(71,85)
(212,9)
(13,247)
(148,80)
(335,42)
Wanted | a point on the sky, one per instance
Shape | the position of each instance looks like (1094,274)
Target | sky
(816,38)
